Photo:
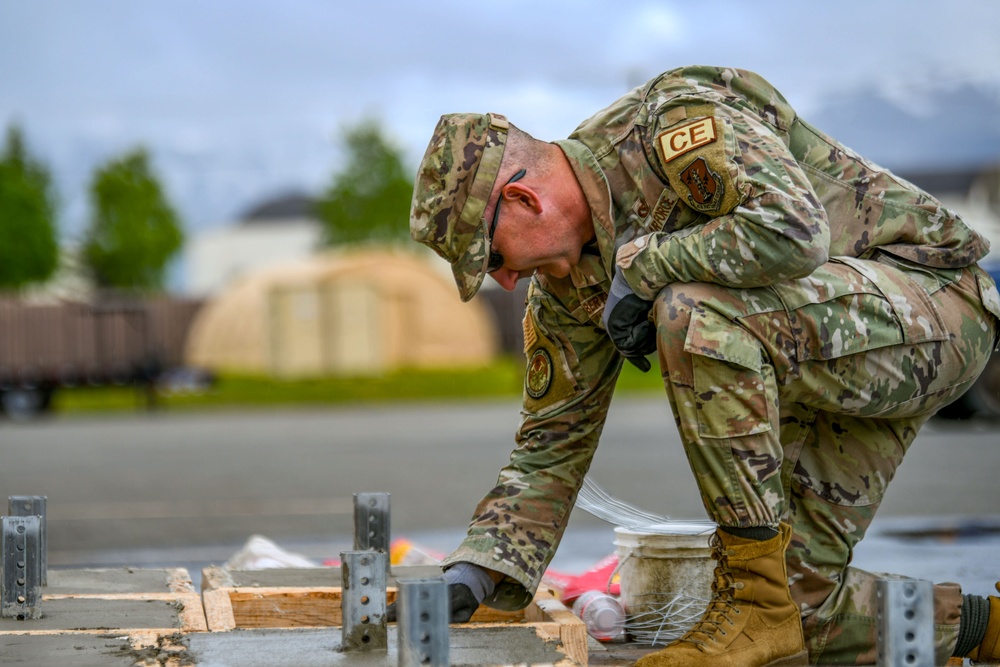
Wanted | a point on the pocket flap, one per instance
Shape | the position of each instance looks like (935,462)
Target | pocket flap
(711,335)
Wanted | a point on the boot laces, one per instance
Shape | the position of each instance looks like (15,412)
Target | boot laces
(718,615)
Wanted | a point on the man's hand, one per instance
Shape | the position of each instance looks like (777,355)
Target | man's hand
(468,586)
(626,319)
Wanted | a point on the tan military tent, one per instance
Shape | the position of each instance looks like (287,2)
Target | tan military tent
(342,314)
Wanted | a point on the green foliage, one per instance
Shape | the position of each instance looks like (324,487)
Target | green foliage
(29,250)
(501,379)
(133,230)
(369,199)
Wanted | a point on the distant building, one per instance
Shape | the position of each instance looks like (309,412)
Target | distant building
(358,312)
(277,231)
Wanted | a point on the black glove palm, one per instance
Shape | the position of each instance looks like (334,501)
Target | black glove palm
(462,604)
(626,319)
(468,586)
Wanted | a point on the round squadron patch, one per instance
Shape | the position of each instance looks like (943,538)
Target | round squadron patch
(538,377)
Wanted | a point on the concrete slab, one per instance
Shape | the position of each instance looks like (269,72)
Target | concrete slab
(61,650)
(89,613)
(121,580)
(304,577)
(322,648)
(271,648)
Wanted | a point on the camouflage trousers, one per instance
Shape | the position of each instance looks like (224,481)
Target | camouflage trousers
(796,402)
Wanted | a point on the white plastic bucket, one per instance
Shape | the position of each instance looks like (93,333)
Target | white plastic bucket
(664,567)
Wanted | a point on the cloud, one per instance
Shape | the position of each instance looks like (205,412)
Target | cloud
(239,99)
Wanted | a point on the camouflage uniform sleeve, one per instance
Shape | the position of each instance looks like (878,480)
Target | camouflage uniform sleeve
(571,372)
(762,223)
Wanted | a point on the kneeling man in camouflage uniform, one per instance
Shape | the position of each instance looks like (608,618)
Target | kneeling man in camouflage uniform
(809,312)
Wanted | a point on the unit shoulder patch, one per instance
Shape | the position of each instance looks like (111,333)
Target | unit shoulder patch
(705,187)
(682,139)
(701,165)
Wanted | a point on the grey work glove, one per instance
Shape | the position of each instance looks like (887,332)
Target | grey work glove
(468,586)
(626,319)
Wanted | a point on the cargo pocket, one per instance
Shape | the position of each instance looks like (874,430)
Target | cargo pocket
(730,390)
(841,309)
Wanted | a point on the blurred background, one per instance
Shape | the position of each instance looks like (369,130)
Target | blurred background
(212,323)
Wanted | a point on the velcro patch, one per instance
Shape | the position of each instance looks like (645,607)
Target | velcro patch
(538,376)
(704,177)
(685,138)
(548,381)
(705,187)
(530,333)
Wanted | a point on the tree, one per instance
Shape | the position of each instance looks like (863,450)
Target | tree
(29,249)
(133,231)
(370,197)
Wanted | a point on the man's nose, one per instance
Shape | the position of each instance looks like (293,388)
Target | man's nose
(506,278)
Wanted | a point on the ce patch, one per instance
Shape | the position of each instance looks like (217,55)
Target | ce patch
(696,158)
(682,139)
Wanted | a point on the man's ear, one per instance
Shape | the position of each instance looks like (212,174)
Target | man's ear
(524,194)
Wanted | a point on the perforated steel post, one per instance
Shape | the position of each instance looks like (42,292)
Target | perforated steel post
(20,586)
(371,521)
(34,506)
(905,623)
(422,613)
(362,600)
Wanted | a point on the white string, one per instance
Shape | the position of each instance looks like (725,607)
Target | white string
(664,617)
(596,501)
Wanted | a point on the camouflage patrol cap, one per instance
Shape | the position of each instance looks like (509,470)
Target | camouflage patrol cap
(452,189)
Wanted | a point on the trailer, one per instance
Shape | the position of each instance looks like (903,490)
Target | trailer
(114,341)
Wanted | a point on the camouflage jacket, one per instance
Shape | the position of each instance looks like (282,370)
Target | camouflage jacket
(702,175)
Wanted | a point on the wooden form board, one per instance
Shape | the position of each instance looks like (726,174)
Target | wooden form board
(231,607)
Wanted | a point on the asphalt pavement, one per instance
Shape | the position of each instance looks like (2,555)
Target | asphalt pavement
(189,488)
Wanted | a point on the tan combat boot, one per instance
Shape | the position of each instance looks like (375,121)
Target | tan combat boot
(751,620)
(988,650)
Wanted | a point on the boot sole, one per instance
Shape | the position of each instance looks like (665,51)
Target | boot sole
(797,660)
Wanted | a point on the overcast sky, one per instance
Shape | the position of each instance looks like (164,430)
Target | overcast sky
(239,100)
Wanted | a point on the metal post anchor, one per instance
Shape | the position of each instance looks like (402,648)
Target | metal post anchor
(362,601)
(371,522)
(21,595)
(34,506)
(905,623)
(423,622)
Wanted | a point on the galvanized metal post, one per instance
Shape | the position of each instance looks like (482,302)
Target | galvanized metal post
(422,613)
(371,522)
(20,586)
(905,623)
(34,506)
(362,601)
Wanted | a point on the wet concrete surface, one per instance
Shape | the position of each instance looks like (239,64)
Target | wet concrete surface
(322,648)
(118,580)
(98,614)
(274,648)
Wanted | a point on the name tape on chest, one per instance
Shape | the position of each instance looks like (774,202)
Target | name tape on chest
(679,140)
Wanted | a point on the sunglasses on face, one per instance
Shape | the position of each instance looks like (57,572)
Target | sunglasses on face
(496,259)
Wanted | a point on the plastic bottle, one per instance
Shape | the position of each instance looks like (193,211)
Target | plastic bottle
(602,614)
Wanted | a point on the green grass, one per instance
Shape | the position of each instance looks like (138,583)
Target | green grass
(502,379)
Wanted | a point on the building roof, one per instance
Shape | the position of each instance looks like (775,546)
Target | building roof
(290,206)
